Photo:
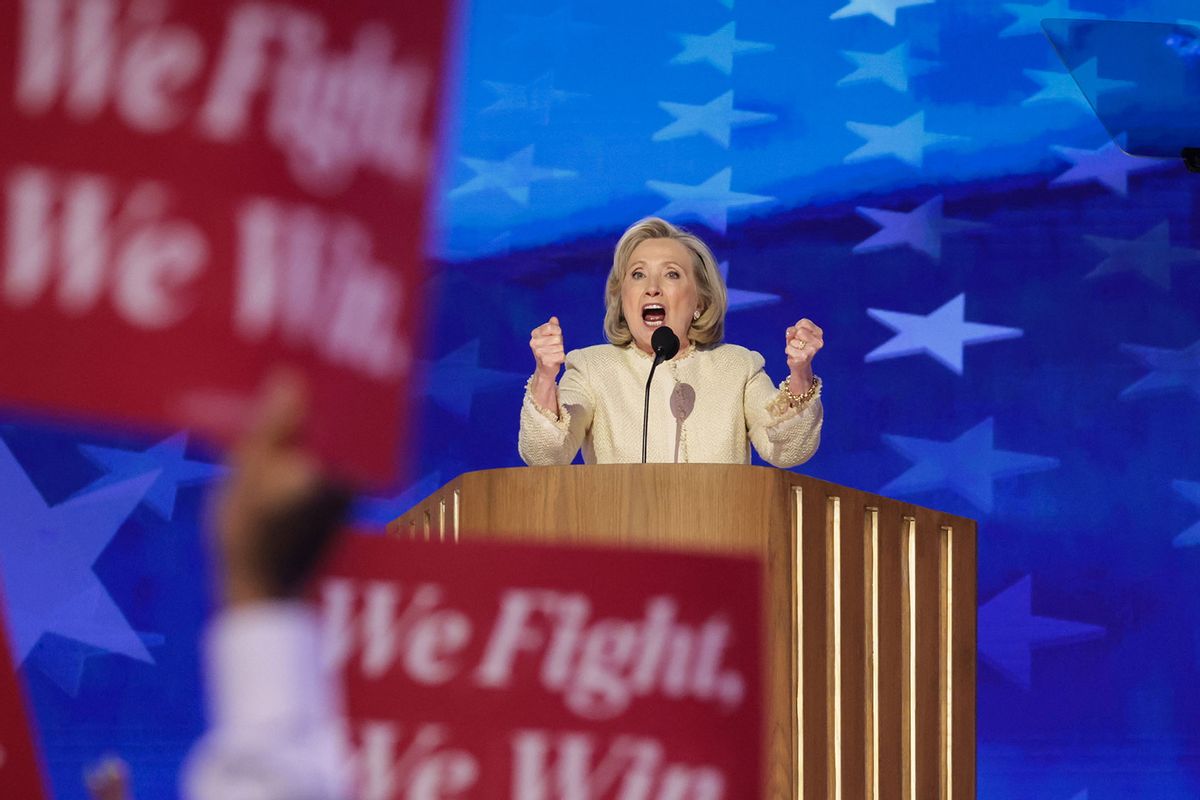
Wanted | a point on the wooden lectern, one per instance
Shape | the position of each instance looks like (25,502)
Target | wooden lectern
(869,602)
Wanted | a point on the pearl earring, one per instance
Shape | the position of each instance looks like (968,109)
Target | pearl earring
(695,315)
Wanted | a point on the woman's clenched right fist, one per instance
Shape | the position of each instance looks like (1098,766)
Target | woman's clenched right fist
(546,342)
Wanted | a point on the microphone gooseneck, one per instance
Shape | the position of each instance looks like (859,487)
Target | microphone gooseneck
(665,344)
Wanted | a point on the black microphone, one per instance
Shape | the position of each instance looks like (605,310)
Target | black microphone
(665,344)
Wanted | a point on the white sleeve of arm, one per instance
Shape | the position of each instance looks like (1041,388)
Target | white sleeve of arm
(553,436)
(782,434)
(276,731)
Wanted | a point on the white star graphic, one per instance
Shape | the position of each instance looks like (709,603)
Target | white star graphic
(538,97)
(942,334)
(921,229)
(718,48)
(892,69)
(1151,254)
(884,10)
(512,175)
(1067,85)
(710,200)
(1108,165)
(1029,17)
(906,140)
(714,119)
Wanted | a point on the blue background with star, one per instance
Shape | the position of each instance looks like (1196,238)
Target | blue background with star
(1012,308)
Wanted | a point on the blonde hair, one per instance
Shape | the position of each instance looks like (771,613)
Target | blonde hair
(710,327)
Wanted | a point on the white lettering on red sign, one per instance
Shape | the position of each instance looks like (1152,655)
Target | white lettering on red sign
(78,239)
(311,278)
(329,112)
(82,50)
(553,765)
(600,666)
(424,768)
(414,632)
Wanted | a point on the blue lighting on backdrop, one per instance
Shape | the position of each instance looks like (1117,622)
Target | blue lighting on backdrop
(1012,308)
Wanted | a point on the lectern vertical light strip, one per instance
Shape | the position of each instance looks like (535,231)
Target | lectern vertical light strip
(909,633)
(833,602)
(426,519)
(911,590)
(798,604)
(871,562)
(456,502)
(441,519)
(947,649)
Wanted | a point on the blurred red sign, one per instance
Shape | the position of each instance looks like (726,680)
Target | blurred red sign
(20,770)
(192,193)
(490,670)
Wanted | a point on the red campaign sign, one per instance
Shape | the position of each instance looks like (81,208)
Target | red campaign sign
(192,193)
(528,672)
(20,770)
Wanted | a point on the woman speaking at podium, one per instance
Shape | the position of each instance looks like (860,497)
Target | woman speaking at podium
(707,403)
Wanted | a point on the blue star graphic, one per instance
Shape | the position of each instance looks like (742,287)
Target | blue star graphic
(1029,17)
(538,97)
(740,299)
(906,140)
(967,465)
(1065,85)
(884,10)
(942,334)
(46,558)
(512,175)
(1054,86)
(64,661)
(710,200)
(164,460)
(1190,491)
(717,48)
(1151,254)
(456,377)
(921,229)
(1009,631)
(1109,166)
(892,69)
(715,119)
(1171,370)
(377,512)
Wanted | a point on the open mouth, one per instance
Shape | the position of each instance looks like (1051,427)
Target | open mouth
(654,315)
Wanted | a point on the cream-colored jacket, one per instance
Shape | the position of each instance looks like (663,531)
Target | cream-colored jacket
(706,406)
